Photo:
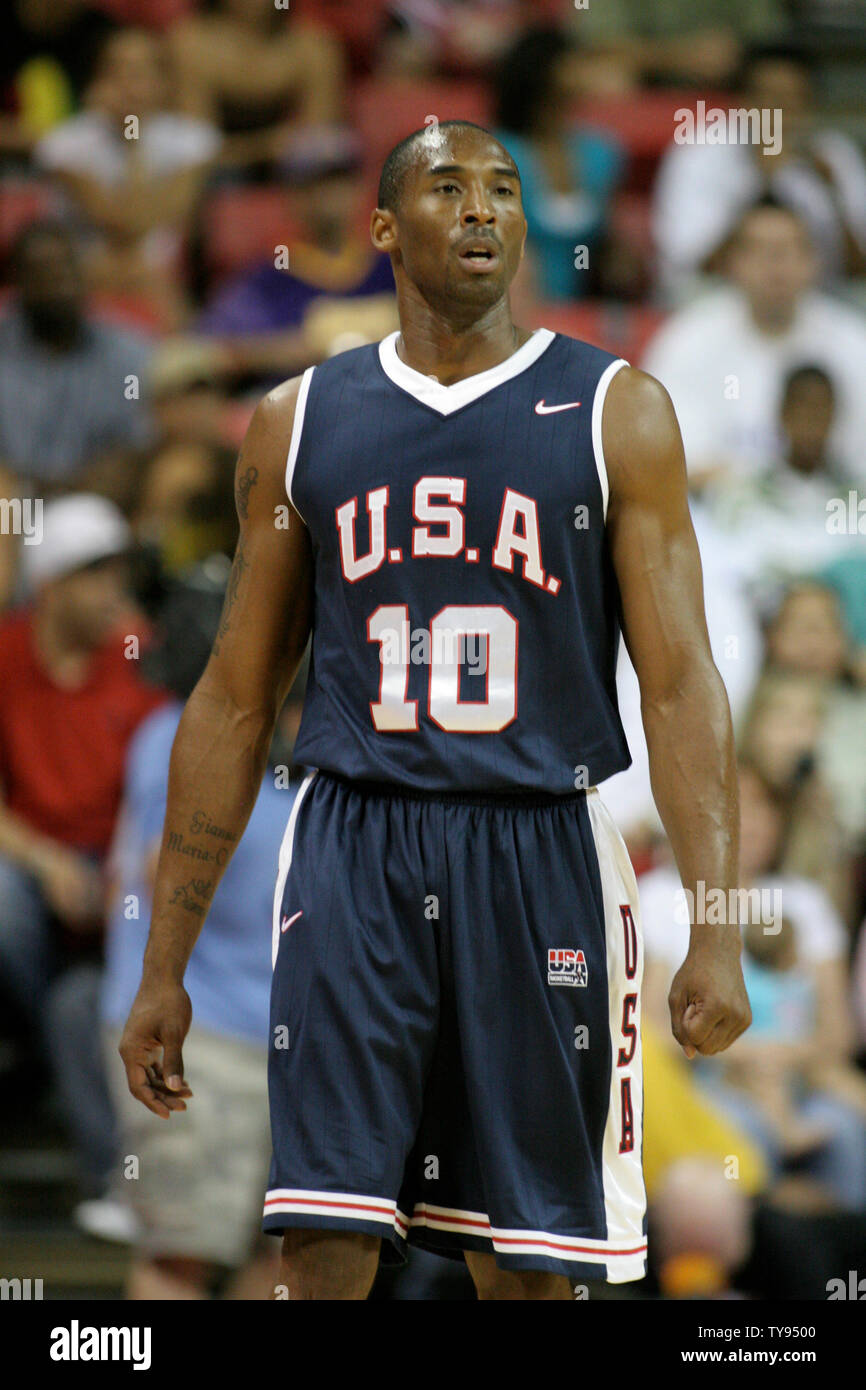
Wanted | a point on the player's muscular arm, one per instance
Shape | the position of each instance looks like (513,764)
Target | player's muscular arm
(220,750)
(684,706)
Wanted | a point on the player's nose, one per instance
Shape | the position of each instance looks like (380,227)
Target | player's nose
(476,210)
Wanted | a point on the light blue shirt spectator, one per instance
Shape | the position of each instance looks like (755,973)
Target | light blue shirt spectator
(561,222)
(228,977)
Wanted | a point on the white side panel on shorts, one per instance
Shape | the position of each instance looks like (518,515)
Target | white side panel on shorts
(285,862)
(624,1191)
(297,428)
(603,383)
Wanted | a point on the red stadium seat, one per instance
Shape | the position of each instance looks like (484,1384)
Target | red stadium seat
(152,14)
(644,123)
(386,110)
(621,328)
(244,225)
(358,26)
(127,311)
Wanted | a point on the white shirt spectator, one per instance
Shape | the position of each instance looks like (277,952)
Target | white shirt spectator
(818,930)
(712,349)
(778,526)
(701,190)
(92,145)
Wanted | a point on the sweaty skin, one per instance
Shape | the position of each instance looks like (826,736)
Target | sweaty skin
(462,190)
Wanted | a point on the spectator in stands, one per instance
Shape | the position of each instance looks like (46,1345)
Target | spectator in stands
(702,188)
(199,1189)
(779,519)
(781,735)
(807,637)
(133,170)
(569,174)
(73,390)
(70,699)
(830,1095)
(725,358)
(185,509)
(249,66)
(678,42)
(336,292)
(428,37)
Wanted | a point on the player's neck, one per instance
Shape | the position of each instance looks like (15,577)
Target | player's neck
(430,344)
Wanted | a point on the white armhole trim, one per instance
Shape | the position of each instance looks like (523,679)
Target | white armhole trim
(297,427)
(604,381)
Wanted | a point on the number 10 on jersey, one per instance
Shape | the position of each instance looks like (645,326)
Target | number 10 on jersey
(441,647)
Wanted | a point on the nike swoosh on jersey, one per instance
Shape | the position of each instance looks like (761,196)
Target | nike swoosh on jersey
(542,409)
(287,921)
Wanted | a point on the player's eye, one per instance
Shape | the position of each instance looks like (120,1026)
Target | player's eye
(505,188)
(443,187)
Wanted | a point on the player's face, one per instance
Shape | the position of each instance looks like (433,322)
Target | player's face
(460,229)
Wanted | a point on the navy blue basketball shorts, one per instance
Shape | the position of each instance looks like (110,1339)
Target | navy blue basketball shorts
(455,1051)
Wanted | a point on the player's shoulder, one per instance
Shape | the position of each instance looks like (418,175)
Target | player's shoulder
(274,417)
(589,355)
(636,399)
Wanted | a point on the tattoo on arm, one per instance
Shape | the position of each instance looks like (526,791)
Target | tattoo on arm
(245,485)
(185,895)
(241,563)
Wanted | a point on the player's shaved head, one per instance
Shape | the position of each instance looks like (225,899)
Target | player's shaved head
(422,144)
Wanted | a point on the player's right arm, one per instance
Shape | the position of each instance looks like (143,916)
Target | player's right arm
(220,750)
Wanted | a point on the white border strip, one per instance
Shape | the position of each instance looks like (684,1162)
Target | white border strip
(622,1173)
(623,1263)
(285,862)
(297,427)
(342,1204)
(597,409)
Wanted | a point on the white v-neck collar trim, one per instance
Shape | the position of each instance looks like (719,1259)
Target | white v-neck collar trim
(446,399)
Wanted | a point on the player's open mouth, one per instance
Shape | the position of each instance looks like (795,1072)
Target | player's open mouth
(480,256)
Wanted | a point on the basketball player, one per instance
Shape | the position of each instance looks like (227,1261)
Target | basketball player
(462,515)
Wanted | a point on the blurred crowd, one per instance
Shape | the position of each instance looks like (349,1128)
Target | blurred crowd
(185,189)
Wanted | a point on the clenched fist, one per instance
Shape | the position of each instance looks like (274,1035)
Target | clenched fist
(708,1000)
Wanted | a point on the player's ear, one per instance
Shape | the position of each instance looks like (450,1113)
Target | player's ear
(383,229)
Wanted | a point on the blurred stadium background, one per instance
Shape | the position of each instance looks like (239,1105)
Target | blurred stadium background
(184,197)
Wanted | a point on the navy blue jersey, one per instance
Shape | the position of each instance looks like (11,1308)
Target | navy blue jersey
(465,627)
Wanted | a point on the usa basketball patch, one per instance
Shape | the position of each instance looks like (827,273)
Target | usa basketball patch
(566,967)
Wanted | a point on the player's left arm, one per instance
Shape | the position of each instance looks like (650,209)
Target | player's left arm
(684,705)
